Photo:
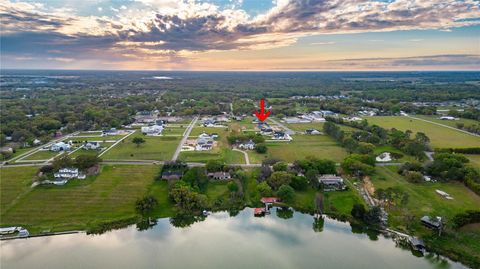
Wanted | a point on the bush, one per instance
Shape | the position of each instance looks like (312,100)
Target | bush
(280,166)
(286,193)
(264,189)
(413,176)
(146,204)
(468,217)
(261,148)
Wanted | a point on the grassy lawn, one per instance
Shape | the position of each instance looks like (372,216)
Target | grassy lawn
(440,137)
(99,138)
(173,131)
(159,189)
(474,160)
(217,190)
(42,155)
(224,154)
(14,182)
(155,148)
(96,133)
(423,200)
(78,204)
(301,127)
(318,146)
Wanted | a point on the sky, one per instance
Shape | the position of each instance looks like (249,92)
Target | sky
(336,35)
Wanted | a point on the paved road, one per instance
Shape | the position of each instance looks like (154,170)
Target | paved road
(287,130)
(185,137)
(443,125)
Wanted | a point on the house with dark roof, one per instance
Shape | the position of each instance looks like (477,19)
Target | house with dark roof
(219,175)
(432,223)
(172,175)
(331,182)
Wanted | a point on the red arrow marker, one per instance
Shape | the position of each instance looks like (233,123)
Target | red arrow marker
(262,116)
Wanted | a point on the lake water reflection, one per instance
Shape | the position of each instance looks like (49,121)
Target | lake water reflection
(220,241)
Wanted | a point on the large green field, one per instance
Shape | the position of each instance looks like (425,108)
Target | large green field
(77,205)
(302,146)
(159,148)
(451,123)
(440,137)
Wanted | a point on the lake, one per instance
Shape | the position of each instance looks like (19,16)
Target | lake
(220,241)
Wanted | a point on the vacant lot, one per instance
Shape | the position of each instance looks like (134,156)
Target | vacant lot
(440,137)
(302,146)
(42,155)
(14,182)
(155,148)
(77,205)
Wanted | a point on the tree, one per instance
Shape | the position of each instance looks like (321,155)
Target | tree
(62,162)
(214,166)
(278,179)
(358,211)
(196,178)
(261,148)
(373,216)
(286,193)
(232,186)
(138,141)
(187,200)
(280,166)
(86,161)
(299,183)
(264,189)
(146,204)
(414,176)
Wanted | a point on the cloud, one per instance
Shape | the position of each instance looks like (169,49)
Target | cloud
(323,43)
(169,30)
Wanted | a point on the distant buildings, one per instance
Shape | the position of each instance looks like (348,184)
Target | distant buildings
(60,146)
(281,136)
(111,131)
(152,130)
(92,145)
(331,182)
(448,118)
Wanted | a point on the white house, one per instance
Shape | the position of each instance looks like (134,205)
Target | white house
(247,145)
(152,130)
(312,132)
(204,142)
(92,145)
(60,146)
(448,118)
(384,157)
(67,173)
(281,136)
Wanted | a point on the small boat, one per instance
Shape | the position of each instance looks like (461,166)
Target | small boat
(259,211)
